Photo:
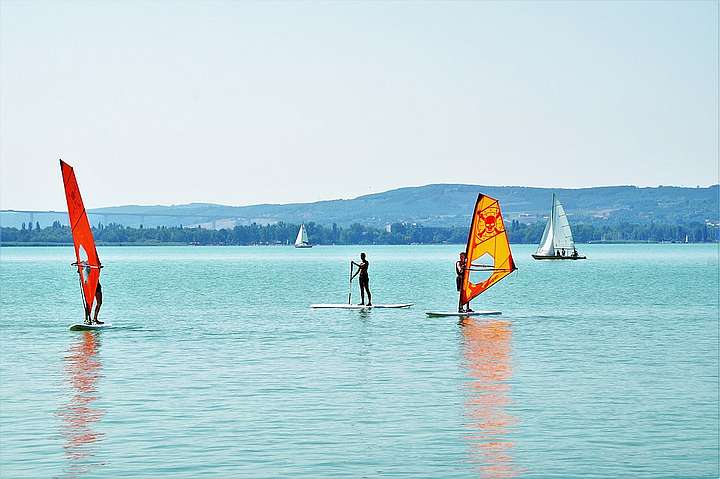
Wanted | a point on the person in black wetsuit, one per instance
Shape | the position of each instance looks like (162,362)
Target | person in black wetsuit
(459,272)
(460,266)
(362,274)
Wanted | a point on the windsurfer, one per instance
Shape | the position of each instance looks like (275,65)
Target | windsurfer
(460,272)
(98,303)
(362,274)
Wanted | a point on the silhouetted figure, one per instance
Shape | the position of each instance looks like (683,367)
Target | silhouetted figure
(364,279)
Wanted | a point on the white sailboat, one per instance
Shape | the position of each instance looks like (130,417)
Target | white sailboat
(302,238)
(557,240)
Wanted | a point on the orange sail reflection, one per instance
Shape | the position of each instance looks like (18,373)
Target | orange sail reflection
(78,416)
(487,352)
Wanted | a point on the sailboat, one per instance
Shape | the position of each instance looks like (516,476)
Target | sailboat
(302,238)
(87,260)
(557,240)
(488,254)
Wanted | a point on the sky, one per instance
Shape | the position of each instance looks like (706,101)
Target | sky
(171,102)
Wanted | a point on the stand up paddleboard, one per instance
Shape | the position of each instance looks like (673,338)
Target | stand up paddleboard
(442,314)
(360,306)
(89,327)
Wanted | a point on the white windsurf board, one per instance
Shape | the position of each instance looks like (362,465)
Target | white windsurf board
(360,306)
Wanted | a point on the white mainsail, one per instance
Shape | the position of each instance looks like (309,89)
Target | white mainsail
(302,237)
(563,235)
(557,235)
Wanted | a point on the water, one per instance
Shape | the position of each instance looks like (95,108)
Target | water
(216,367)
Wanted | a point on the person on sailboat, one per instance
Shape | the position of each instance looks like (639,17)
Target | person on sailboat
(460,272)
(362,274)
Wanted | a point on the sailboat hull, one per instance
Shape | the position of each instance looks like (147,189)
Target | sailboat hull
(537,256)
(303,246)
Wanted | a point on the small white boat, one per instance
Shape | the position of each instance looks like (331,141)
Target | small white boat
(557,240)
(302,238)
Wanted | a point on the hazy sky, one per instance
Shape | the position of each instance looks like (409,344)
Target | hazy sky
(241,102)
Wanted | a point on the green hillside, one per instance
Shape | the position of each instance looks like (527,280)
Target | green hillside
(431,205)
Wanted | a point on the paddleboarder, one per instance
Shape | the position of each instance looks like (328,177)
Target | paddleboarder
(362,274)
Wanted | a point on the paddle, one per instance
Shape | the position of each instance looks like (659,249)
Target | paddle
(350,284)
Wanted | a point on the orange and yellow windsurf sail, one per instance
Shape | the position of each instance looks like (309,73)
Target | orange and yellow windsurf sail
(88,263)
(489,258)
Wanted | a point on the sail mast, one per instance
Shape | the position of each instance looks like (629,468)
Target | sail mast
(554,225)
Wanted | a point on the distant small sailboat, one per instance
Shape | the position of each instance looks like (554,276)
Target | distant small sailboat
(87,260)
(302,238)
(557,240)
(488,254)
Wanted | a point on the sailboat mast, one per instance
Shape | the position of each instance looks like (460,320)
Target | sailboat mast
(468,246)
(552,218)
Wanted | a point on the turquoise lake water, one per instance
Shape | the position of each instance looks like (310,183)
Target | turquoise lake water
(217,367)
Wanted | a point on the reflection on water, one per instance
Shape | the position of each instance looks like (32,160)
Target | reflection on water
(82,370)
(488,358)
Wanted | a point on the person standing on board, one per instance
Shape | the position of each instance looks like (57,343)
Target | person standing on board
(460,272)
(362,272)
(98,303)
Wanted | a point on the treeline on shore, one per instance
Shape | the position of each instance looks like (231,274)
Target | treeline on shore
(399,233)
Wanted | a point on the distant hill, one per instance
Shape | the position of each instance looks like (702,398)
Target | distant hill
(431,205)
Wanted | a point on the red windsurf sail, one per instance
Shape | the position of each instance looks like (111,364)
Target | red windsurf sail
(88,263)
(489,258)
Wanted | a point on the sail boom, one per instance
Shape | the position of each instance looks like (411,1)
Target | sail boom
(490,269)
